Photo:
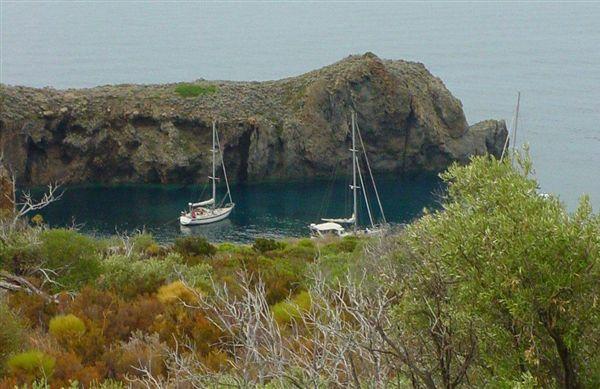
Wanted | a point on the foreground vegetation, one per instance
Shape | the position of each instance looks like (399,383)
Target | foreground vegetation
(499,288)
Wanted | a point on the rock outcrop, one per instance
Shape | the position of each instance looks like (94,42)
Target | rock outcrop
(291,128)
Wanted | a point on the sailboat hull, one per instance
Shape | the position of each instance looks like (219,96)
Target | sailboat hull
(205,216)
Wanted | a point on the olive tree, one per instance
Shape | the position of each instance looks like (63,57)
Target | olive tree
(514,270)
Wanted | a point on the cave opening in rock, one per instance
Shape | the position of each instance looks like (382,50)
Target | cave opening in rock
(244,150)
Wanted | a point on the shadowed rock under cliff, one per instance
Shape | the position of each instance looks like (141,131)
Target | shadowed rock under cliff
(291,128)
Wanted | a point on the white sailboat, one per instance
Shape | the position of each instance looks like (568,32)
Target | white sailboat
(512,138)
(208,211)
(335,226)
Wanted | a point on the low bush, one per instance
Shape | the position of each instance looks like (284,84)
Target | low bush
(144,242)
(263,245)
(73,256)
(129,278)
(345,245)
(286,311)
(31,364)
(194,90)
(11,334)
(194,249)
(175,292)
(65,327)
(226,247)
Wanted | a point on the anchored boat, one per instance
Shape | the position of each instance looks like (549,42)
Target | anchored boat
(336,226)
(209,211)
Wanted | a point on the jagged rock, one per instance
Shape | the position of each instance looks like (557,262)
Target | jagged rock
(6,192)
(291,128)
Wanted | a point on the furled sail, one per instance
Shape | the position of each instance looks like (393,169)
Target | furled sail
(204,203)
(344,221)
(326,227)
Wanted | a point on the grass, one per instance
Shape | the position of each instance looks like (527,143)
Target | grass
(193,90)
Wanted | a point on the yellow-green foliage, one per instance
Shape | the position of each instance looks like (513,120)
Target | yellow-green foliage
(144,243)
(175,292)
(286,311)
(33,363)
(72,255)
(130,278)
(345,245)
(11,334)
(37,220)
(226,247)
(194,90)
(66,327)
(501,254)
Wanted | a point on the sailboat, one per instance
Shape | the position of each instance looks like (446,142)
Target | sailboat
(209,211)
(513,138)
(336,226)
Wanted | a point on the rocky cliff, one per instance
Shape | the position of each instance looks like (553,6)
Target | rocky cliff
(291,128)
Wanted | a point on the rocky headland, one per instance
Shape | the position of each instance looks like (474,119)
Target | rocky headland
(286,129)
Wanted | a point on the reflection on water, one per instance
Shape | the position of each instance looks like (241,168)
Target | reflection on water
(268,209)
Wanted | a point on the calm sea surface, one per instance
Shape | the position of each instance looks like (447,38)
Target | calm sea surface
(267,210)
(484,52)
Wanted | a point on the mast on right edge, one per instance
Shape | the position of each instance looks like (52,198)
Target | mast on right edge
(354,187)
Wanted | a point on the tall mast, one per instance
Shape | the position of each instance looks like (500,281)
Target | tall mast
(214,156)
(516,124)
(354,187)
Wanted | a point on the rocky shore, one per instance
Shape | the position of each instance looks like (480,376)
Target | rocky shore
(286,129)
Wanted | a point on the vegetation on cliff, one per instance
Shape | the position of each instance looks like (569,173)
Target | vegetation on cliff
(499,288)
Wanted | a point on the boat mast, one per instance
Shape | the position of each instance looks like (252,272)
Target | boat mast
(214,156)
(364,150)
(362,184)
(516,125)
(223,165)
(354,187)
(513,136)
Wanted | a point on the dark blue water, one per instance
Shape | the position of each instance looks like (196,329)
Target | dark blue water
(265,210)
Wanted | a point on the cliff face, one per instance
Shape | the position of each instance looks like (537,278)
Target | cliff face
(291,128)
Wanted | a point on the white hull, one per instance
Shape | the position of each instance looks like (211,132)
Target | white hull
(205,216)
(376,231)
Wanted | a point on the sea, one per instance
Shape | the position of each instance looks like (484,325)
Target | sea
(485,52)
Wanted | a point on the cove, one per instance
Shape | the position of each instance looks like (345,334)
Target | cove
(272,209)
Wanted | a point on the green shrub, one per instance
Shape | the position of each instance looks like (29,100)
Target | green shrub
(263,245)
(194,248)
(143,242)
(130,278)
(33,363)
(226,247)
(19,250)
(345,245)
(334,267)
(194,90)
(306,243)
(300,251)
(19,259)
(66,326)
(11,334)
(286,311)
(72,255)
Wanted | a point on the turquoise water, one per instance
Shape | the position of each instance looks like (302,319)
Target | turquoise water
(484,52)
(265,210)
